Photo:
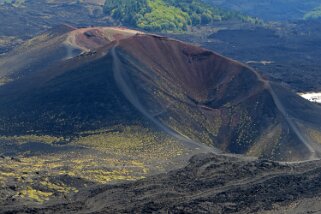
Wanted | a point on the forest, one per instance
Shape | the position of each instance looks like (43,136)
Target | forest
(168,15)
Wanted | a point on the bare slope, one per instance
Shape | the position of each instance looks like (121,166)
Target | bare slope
(96,77)
(218,101)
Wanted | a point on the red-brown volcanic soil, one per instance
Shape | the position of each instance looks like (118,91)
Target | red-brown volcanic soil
(198,71)
(100,75)
(217,101)
(93,38)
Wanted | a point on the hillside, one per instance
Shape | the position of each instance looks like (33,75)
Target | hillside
(272,10)
(208,184)
(168,15)
(160,106)
(73,128)
(89,79)
(85,107)
(33,17)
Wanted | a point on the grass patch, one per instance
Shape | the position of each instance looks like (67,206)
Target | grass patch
(133,141)
(35,195)
(31,138)
(119,153)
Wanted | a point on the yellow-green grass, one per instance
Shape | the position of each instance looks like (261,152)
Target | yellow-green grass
(101,156)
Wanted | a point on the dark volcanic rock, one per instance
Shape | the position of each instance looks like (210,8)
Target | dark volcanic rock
(209,184)
(93,78)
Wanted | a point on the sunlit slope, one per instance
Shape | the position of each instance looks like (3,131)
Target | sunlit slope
(217,101)
(55,46)
(101,77)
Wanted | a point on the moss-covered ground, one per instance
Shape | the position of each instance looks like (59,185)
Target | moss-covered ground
(65,165)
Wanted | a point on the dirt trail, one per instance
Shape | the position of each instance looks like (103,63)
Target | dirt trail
(134,100)
(287,117)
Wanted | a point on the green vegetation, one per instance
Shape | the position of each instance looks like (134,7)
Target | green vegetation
(117,153)
(313,14)
(14,3)
(163,17)
(31,138)
(314,134)
(133,141)
(126,11)
(168,15)
(36,195)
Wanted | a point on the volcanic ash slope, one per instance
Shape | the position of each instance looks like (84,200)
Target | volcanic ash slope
(71,80)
